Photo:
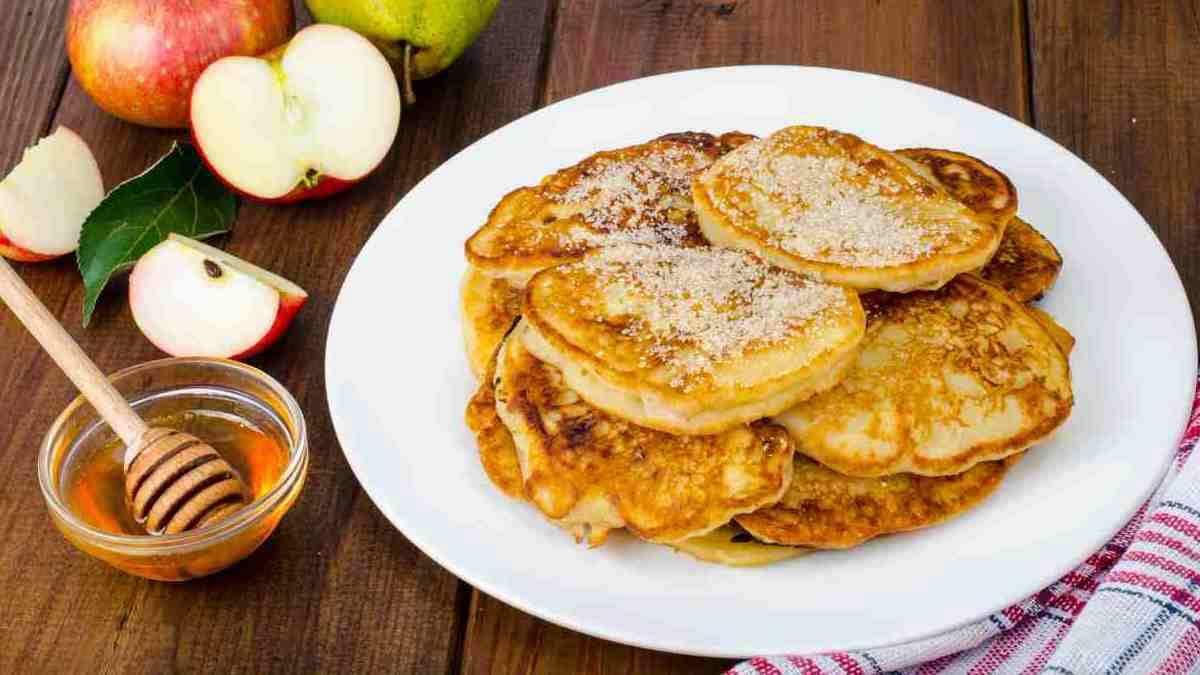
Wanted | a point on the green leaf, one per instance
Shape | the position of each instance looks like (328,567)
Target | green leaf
(177,194)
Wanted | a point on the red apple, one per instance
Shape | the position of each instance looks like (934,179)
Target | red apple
(190,299)
(46,198)
(301,122)
(138,59)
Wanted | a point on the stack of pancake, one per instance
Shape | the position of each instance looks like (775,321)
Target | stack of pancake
(750,348)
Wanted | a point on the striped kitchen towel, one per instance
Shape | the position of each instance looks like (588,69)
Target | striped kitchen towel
(1132,607)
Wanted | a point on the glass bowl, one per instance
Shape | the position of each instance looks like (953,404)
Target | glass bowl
(172,386)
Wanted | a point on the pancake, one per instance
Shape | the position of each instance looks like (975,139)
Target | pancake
(970,180)
(732,546)
(1061,336)
(1025,264)
(641,193)
(726,545)
(592,472)
(490,306)
(945,380)
(690,341)
(820,509)
(497,453)
(829,204)
(824,509)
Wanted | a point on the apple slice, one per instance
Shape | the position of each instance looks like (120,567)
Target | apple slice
(303,121)
(46,198)
(191,299)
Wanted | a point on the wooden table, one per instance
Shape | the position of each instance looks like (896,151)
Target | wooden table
(338,588)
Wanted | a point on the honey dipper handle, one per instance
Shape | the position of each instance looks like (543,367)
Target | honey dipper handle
(92,383)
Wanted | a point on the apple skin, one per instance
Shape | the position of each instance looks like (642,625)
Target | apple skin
(138,59)
(184,308)
(289,306)
(326,186)
(16,253)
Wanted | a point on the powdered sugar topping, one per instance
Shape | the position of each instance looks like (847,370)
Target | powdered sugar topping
(644,198)
(829,207)
(699,307)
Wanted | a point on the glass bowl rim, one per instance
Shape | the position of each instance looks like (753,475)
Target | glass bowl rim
(194,539)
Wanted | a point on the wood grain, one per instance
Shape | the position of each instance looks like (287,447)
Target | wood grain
(35,69)
(503,640)
(1119,85)
(71,359)
(337,588)
(973,49)
(30,87)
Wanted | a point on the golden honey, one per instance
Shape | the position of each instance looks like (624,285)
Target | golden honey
(94,485)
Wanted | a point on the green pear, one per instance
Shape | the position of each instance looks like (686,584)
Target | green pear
(423,36)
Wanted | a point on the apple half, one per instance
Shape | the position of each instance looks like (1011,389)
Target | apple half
(46,198)
(190,299)
(306,120)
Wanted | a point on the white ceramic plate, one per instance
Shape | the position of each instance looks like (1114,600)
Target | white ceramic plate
(398,383)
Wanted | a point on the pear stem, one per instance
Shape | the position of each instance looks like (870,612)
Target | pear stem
(410,97)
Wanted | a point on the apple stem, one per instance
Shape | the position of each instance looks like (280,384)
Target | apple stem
(410,97)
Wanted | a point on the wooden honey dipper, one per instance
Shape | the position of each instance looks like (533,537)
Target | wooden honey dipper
(173,481)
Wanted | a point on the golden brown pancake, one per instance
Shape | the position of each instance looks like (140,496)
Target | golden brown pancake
(497,453)
(1026,264)
(873,302)
(640,193)
(1062,337)
(983,188)
(726,545)
(692,340)
(824,509)
(592,472)
(828,204)
(490,306)
(945,379)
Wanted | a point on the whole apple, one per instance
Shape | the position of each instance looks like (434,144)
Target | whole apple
(138,59)
(435,32)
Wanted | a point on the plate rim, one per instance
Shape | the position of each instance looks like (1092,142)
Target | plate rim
(430,549)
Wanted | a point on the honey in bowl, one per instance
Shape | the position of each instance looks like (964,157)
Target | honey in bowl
(94,484)
(244,414)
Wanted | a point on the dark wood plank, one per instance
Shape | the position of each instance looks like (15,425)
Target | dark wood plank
(973,49)
(1119,84)
(501,639)
(31,85)
(35,68)
(337,588)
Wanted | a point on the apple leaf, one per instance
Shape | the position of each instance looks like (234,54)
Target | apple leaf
(176,194)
